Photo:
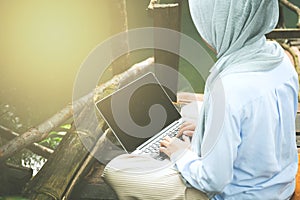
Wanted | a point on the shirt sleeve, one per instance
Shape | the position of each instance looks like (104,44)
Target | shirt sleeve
(213,171)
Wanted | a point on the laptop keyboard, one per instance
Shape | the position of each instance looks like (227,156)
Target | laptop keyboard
(153,147)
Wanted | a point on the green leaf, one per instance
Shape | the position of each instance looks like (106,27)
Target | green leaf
(66,126)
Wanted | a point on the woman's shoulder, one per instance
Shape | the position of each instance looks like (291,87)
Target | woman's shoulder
(242,88)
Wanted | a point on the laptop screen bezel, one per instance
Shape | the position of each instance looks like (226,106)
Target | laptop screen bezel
(127,147)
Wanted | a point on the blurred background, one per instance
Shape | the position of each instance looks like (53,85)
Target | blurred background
(44,42)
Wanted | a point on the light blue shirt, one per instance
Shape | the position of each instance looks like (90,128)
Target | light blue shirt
(255,156)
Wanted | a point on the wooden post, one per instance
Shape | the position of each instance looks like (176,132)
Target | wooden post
(53,179)
(167,16)
(281,21)
(101,146)
(64,165)
(118,19)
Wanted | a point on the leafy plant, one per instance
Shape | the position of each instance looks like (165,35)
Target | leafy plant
(52,141)
(55,137)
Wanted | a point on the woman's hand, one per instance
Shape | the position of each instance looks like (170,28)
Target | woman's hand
(187,128)
(172,145)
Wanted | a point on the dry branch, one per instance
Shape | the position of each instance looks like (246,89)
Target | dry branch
(35,147)
(40,132)
(167,16)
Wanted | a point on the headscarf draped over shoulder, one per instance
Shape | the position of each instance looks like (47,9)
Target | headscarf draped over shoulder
(236,30)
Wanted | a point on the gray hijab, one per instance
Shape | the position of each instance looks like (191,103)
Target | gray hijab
(236,30)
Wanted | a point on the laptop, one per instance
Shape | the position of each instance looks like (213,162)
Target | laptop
(140,114)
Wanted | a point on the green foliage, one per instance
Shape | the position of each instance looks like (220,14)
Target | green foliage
(55,137)
(52,141)
(66,126)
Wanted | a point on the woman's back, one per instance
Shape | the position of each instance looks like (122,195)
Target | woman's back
(266,105)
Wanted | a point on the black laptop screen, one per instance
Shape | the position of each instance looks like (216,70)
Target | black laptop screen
(138,111)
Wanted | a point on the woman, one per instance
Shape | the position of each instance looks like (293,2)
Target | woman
(250,151)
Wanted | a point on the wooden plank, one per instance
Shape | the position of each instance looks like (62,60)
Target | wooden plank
(284,34)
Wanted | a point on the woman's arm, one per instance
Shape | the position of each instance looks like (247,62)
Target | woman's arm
(212,172)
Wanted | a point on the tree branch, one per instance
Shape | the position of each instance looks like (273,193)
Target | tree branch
(35,147)
(40,132)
